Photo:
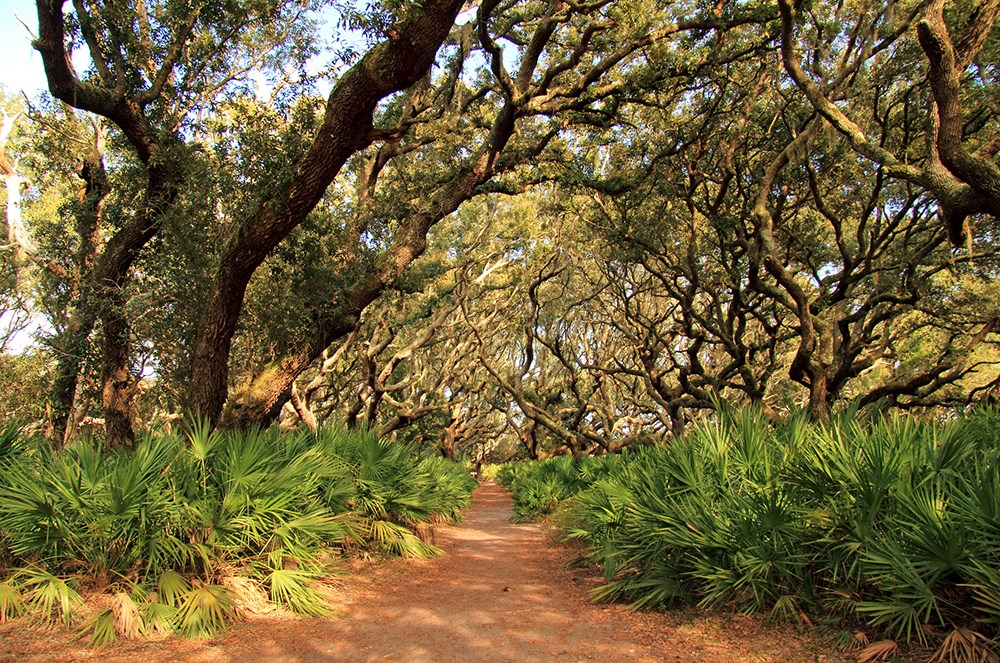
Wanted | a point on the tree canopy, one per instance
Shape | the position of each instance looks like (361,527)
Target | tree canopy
(518,226)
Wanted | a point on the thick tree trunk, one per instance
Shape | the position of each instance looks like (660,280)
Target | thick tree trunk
(529,437)
(947,64)
(819,398)
(259,402)
(118,385)
(111,273)
(252,403)
(678,422)
(448,443)
(456,425)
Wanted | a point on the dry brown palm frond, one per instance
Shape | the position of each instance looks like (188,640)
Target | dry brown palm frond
(859,640)
(881,650)
(250,598)
(966,646)
(129,623)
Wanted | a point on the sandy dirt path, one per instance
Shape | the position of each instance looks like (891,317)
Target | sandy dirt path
(497,595)
(501,593)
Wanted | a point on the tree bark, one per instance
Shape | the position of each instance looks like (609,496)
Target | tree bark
(449,443)
(945,71)
(72,342)
(70,347)
(271,388)
(118,384)
(302,409)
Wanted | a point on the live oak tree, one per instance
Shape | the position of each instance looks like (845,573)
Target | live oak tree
(830,286)
(411,368)
(776,223)
(950,136)
(152,69)
(56,184)
(916,141)
(347,127)
(748,199)
(484,128)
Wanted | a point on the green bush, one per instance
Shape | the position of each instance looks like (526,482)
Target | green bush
(537,488)
(892,521)
(491,472)
(177,526)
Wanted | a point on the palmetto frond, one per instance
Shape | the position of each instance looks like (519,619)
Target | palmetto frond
(183,510)
(894,519)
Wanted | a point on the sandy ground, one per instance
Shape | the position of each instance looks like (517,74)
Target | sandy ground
(501,593)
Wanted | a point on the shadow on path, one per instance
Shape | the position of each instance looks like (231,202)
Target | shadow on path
(501,593)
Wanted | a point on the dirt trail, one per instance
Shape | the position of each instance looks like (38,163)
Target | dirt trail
(501,593)
(496,595)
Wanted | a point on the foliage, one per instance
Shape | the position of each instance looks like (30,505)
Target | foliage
(557,244)
(888,520)
(22,378)
(167,528)
(538,488)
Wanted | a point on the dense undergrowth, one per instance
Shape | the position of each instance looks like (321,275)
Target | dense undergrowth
(187,531)
(888,525)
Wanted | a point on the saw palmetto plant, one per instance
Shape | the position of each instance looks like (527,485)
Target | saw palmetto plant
(167,530)
(885,522)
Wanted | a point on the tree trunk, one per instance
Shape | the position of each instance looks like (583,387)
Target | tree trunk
(678,422)
(72,342)
(259,402)
(302,409)
(819,397)
(70,347)
(529,437)
(449,442)
(17,236)
(118,386)
(253,241)
(269,390)
(155,147)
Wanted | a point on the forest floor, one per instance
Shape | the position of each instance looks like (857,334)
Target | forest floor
(502,592)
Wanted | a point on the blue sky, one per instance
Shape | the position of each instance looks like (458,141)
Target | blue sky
(20,66)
